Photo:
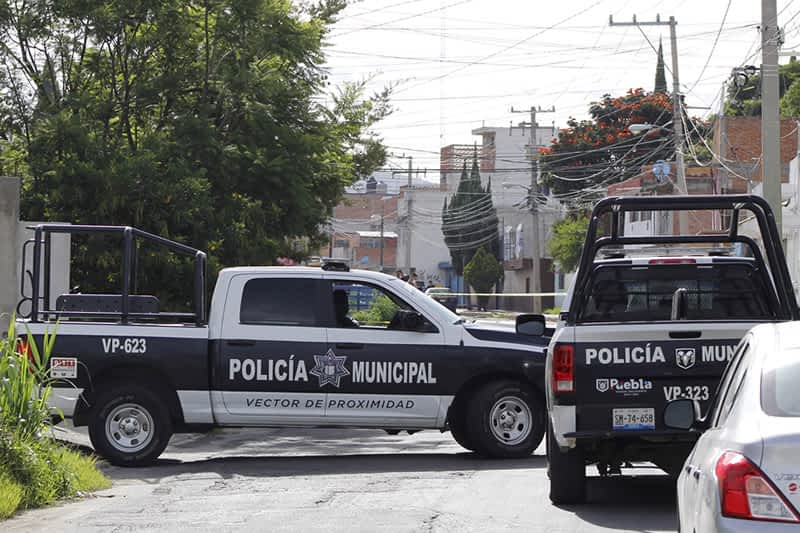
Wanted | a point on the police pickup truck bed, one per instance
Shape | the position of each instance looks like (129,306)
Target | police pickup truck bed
(283,346)
(650,319)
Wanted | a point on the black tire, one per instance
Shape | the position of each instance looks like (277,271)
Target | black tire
(499,403)
(129,425)
(459,431)
(567,473)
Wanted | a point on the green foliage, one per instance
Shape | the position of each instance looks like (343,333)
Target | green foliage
(34,470)
(567,241)
(470,222)
(745,100)
(205,122)
(24,385)
(11,494)
(482,272)
(380,312)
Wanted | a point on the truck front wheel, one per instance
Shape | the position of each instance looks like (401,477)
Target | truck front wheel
(505,419)
(130,425)
(567,472)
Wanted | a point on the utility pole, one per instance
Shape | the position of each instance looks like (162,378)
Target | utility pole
(409,201)
(383,213)
(533,195)
(677,113)
(770,124)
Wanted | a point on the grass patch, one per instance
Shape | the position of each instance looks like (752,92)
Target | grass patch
(11,494)
(87,478)
(34,473)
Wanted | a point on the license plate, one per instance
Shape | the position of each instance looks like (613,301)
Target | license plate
(634,418)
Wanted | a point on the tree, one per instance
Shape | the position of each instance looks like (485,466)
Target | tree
(596,152)
(661,78)
(567,242)
(203,121)
(470,222)
(744,95)
(482,272)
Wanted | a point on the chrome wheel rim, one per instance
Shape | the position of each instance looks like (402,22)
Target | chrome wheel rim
(510,420)
(129,428)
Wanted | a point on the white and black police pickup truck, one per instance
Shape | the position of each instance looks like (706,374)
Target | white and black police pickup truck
(282,347)
(649,319)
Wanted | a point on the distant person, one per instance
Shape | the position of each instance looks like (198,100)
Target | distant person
(400,275)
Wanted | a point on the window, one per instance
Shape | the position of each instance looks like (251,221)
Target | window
(363,305)
(280,302)
(718,292)
(779,392)
(730,384)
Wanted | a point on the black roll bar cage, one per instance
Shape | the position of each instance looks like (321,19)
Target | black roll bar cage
(43,238)
(616,206)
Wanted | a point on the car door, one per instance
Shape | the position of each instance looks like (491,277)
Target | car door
(699,487)
(376,371)
(268,343)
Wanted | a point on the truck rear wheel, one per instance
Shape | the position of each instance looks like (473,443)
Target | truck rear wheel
(504,419)
(129,425)
(567,473)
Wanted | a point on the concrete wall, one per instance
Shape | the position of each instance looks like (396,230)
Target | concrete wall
(9,219)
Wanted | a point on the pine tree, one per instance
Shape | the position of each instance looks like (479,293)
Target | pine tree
(470,220)
(661,79)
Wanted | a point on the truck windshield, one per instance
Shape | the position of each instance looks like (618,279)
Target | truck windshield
(628,293)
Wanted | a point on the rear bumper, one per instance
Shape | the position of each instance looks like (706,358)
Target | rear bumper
(665,434)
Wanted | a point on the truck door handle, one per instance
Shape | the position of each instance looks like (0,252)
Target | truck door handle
(349,346)
(685,334)
(696,474)
(241,342)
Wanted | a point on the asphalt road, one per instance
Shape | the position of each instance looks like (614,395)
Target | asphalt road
(277,480)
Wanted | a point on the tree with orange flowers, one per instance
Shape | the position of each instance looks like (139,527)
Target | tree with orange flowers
(588,155)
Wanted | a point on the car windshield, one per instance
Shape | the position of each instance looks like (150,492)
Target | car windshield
(780,395)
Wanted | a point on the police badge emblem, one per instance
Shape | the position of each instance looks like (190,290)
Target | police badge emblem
(329,368)
(601,384)
(684,358)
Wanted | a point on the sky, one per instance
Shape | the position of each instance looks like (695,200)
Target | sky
(457,65)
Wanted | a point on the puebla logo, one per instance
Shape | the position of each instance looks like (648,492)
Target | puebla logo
(602,385)
(329,368)
(684,358)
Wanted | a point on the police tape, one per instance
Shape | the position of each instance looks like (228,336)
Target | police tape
(499,294)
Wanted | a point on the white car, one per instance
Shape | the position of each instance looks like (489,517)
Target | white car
(744,472)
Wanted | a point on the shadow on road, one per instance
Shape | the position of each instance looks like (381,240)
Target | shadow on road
(635,503)
(322,465)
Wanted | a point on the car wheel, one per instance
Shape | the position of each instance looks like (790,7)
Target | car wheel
(567,473)
(505,419)
(130,425)
(458,430)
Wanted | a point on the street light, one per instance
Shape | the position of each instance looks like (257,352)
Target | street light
(533,197)
(683,216)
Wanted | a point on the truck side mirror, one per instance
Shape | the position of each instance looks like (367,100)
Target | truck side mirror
(681,414)
(529,324)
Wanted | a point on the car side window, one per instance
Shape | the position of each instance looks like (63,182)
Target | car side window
(363,305)
(731,384)
(280,302)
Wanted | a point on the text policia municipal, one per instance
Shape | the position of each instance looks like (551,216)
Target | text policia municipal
(293,369)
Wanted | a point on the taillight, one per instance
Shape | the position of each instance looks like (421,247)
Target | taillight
(564,368)
(23,348)
(745,492)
